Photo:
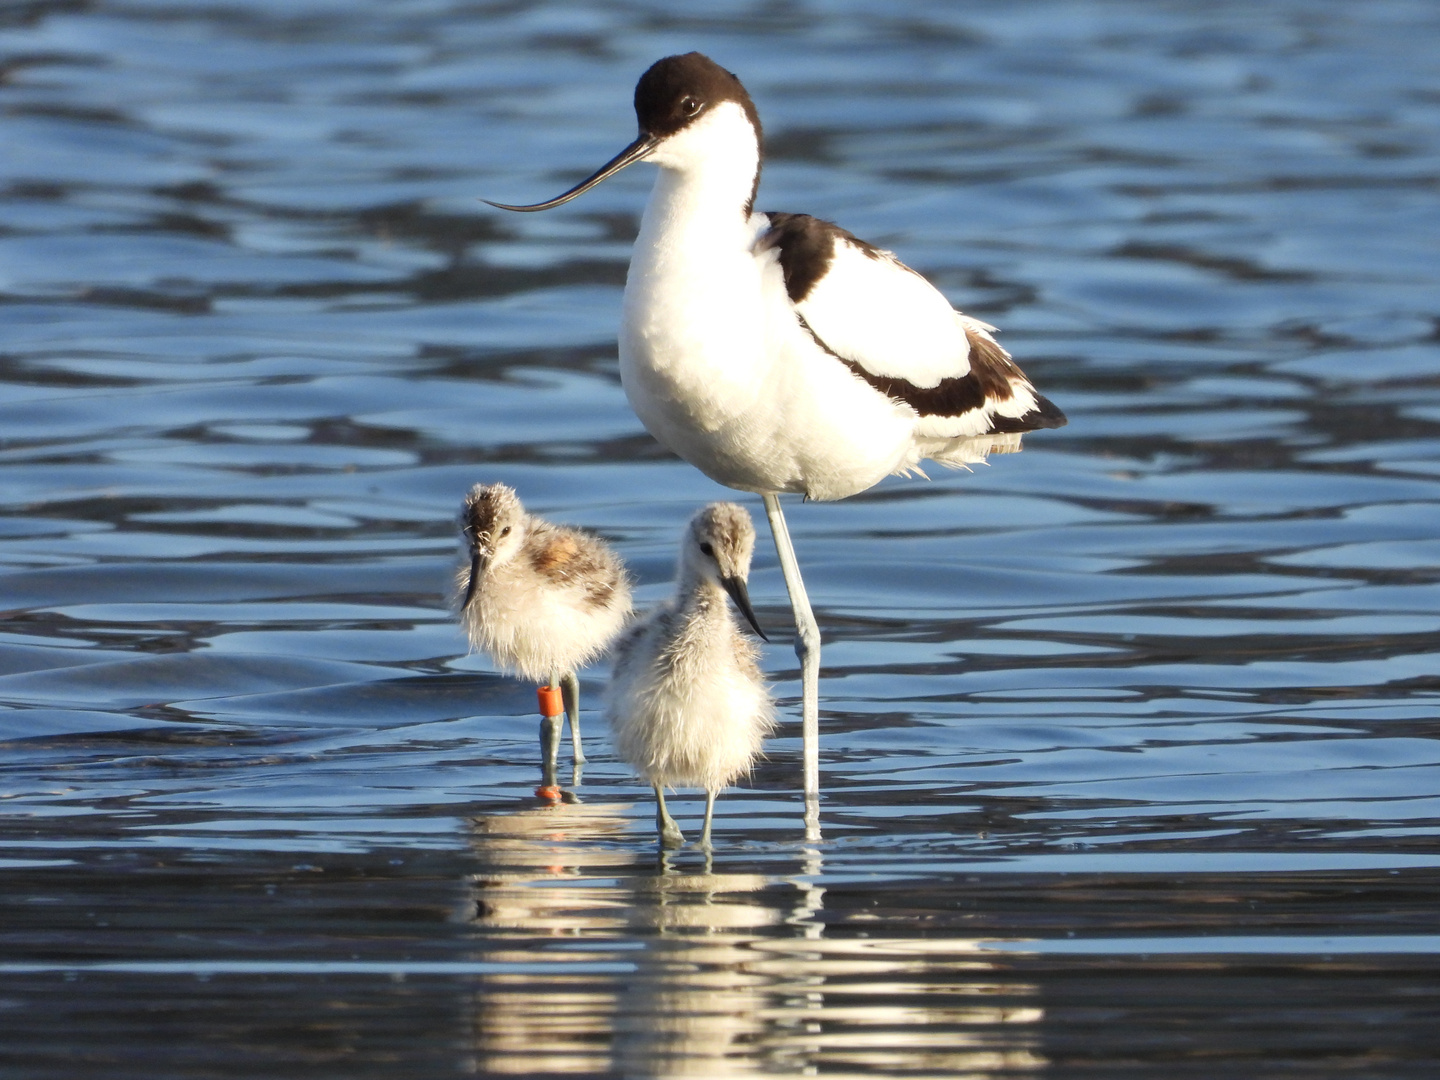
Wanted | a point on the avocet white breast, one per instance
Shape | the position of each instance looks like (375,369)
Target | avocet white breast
(687,703)
(542,600)
(779,353)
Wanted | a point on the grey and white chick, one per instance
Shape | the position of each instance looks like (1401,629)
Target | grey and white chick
(687,701)
(541,599)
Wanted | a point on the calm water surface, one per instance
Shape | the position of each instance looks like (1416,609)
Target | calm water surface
(1131,756)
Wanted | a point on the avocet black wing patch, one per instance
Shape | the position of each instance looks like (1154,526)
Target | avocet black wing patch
(896,331)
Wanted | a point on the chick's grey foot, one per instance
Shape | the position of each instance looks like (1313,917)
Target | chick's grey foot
(670,834)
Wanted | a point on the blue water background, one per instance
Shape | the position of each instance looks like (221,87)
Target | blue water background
(1129,741)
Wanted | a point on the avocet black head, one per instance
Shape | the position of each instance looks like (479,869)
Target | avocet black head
(681,102)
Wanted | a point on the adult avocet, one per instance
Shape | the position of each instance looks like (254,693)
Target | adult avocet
(779,353)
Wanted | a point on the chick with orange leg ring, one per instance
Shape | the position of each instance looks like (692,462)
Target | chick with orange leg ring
(542,600)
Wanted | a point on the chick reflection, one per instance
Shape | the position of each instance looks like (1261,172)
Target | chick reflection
(545,843)
(533,1021)
(693,1008)
(682,1004)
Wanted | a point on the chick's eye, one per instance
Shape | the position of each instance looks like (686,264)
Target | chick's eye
(708,549)
(689,105)
(505,531)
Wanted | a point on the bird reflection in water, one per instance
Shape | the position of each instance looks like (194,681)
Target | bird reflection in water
(626,966)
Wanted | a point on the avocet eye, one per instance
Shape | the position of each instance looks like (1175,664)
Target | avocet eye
(505,531)
(707,549)
(689,105)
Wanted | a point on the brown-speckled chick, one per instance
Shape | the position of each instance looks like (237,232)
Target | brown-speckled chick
(541,599)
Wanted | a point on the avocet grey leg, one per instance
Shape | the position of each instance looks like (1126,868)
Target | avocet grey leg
(807,649)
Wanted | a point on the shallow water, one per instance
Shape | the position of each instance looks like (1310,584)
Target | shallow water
(1130,750)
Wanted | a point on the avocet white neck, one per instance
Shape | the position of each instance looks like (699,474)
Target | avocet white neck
(693,353)
(717,157)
